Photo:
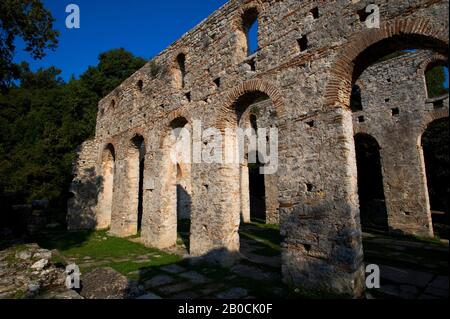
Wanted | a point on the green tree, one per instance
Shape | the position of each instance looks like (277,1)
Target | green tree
(43,120)
(114,67)
(29,20)
(435,78)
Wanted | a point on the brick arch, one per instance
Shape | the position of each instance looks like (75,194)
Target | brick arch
(173,115)
(432,116)
(181,112)
(339,86)
(237,20)
(104,145)
(128,140)
(432,59)
(255,85)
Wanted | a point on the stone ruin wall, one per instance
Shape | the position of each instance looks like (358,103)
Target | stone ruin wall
(396,112)
(309,90)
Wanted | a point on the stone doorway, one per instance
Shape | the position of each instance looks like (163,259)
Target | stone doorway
(370,184)
(435,143)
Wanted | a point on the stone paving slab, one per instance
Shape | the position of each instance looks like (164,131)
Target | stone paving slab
(440,293)
(212,288)
(405,276)
(149,296)
(194,277)
(254,273)
(400,291)
(440,282)
(173,269)
(172,289)
(233,293)
(185,295)
(157,281)
(274,262)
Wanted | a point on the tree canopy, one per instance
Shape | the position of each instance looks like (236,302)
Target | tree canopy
(30,21)
(44,119)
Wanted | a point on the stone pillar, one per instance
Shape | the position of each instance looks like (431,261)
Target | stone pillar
(216,210)
(125,201)
(159,224)
(272,205)
(104,206)
(322,242)
(405,185)
(245,195)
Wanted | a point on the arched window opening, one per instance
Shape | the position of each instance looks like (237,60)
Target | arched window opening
(180,71)
(436,77)
(140,85)
(250,27)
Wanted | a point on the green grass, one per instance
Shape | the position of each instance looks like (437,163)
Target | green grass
(101,247)
(266,236)
(419,239)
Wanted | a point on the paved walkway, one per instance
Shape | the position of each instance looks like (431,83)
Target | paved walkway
(409,269)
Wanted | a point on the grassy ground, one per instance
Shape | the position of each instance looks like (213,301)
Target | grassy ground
(90,250)
(93,249)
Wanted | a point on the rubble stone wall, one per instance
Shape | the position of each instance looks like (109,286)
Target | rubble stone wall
(309,53)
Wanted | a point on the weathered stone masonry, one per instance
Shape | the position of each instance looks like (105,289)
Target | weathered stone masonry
(396,112)
(311,52)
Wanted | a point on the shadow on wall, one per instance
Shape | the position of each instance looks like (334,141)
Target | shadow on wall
(184,216)
(81,206)
(341,272)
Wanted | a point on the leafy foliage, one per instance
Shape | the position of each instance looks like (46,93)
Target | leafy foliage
(43,120)
(29,20)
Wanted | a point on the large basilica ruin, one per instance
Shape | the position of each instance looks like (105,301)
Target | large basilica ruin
(311,55)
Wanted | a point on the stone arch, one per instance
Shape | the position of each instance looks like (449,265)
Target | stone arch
(432,60)
(250,86)
(179,113)
(237,112)
(179,69)
(176,183)
(105,196)
(429,118)
(257,5)
(243,19)
(358,53)
(435,58)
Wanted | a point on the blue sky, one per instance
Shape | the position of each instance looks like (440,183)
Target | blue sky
(144,27)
